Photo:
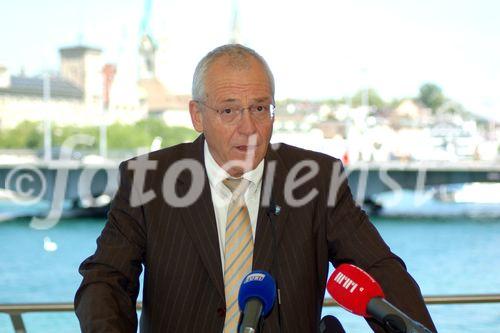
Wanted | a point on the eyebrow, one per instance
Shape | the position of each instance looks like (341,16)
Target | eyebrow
(230,100)
(255,100)
(261,99)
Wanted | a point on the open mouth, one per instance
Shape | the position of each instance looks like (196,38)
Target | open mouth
(244,148)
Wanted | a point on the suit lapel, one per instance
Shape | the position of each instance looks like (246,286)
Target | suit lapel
(199,220)
(273,181)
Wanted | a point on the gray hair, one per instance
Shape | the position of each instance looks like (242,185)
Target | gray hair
(238,58)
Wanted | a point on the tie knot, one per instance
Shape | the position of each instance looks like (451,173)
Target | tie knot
(236,185)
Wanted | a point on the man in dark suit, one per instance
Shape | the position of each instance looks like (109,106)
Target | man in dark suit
(176,214)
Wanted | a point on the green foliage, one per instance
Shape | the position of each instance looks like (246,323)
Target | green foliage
(141,134)
(431,96)
(394,103)
(26,135)
(170,135)
(127,136)
(61,133)
(453,108)
(372,99)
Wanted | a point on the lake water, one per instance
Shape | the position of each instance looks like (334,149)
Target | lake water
(446,256)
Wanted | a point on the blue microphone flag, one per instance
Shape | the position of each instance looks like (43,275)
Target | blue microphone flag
(258,284)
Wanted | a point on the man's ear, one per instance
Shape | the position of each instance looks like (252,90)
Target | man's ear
(196,116)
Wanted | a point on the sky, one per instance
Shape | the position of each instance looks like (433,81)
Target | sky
(317,48)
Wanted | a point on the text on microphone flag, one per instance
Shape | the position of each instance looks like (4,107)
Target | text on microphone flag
(254,277)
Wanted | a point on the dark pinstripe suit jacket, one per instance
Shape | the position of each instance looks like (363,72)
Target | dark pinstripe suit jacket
(183,281)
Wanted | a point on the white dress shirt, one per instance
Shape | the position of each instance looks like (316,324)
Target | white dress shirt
(221,195)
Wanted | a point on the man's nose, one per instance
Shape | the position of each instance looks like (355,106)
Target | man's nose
(247,123)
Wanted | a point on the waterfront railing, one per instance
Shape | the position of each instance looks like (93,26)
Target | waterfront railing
(16,311)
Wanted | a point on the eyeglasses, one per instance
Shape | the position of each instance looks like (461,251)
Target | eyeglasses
(232,113)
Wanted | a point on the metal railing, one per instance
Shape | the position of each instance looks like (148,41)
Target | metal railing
(16,311)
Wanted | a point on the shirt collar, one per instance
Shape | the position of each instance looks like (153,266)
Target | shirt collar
(216,174)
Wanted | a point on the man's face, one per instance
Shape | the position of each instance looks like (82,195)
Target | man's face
(245,141)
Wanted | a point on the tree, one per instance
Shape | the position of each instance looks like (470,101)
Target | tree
(25,135)
(29,135)
(431,96)
(372,98)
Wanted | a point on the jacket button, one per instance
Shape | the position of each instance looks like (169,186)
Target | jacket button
(221,312)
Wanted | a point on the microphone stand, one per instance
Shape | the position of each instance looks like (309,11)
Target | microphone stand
(274,210)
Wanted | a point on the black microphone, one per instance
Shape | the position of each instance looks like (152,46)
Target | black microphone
(396,321)
(274,210)
(330,324)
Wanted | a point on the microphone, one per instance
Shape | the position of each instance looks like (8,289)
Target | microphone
(330,324)
(255,299)
(357,292)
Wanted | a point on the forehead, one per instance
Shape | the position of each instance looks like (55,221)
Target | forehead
(225,78)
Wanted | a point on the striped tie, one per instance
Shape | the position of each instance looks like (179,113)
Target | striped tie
(238,250)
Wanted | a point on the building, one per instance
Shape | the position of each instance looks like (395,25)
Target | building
(171,108)
(77,95)
(83,67)
(35,98)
